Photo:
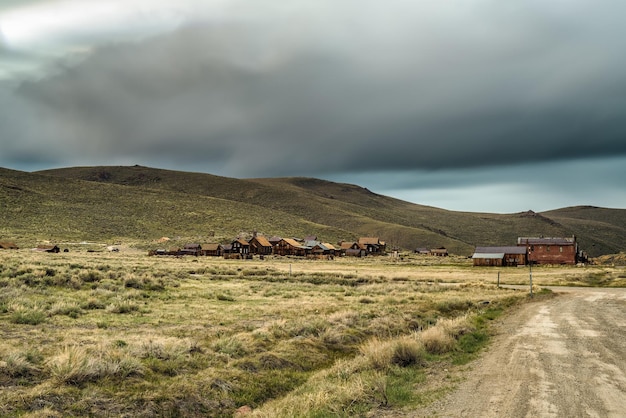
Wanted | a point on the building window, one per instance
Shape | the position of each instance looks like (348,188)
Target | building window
(560,249)
(547,248)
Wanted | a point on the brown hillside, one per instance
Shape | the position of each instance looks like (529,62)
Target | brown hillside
(141,203)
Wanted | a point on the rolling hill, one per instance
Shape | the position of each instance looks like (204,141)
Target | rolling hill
(140,204)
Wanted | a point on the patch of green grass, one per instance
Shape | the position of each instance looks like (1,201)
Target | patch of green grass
(28,316)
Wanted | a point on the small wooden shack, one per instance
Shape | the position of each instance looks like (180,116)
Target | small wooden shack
(499,256)
(211,250)
(191,249)
(439,252)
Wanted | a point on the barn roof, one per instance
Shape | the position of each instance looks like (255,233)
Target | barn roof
(546,240)
(210,247)
(506,250)
(346,245)
(495,256)
(292,242)
(262,241)
(369,240)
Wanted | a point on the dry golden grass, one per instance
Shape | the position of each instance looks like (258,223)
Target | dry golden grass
(129,335)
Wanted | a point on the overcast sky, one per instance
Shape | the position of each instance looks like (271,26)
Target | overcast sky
(474,105)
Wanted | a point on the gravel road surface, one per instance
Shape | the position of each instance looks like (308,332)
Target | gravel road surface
(562,357)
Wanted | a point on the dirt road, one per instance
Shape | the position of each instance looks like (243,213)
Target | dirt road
(563,357)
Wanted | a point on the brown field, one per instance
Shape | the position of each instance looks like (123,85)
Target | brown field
(125,334)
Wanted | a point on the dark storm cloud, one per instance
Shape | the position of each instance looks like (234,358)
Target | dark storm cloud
(359,86)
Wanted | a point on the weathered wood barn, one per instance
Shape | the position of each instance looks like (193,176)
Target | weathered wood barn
(289,246)
(439,252)
(373,245)
(240,246)
(554,250)
(191,249)
(212,250)
(260,245)
(351,249)
(499,256)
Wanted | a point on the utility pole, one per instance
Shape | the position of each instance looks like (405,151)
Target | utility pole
(530,267)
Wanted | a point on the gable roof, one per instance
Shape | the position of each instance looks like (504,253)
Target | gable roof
(210,247)
(262,241)
(369,241)
(292,242)
(546,241)
(505,250)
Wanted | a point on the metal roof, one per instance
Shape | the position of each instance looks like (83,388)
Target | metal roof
(497,256)
(546,241)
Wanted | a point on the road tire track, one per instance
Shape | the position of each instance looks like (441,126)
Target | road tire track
(561,357)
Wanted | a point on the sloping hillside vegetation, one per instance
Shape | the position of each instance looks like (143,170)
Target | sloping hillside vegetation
(141,204)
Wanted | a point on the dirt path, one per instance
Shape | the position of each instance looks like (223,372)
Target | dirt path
(564,357)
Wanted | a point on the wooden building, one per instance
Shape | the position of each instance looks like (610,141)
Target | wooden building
(373,245)
(351,249)
(554,250)
(240,246)
(260,245)
(191,249)
(212,250)
(323,248)
(289,246)
(439,252)
(499,256)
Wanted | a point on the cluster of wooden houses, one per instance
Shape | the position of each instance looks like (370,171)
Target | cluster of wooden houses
(263,246)
(531,250)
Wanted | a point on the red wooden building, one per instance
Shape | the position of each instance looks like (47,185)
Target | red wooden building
(553,250)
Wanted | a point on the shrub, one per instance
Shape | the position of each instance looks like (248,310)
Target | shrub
(28,316)
(70,309)
(437,341)
(90,276)
(378,353)
(231,346)
(407,351)
(456,327)
(123,307)
(74,366)
(224,297)
(18,365)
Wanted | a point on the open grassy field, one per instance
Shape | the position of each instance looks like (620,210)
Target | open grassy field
(124,334)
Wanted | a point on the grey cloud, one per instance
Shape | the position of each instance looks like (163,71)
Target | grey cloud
(399,86)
